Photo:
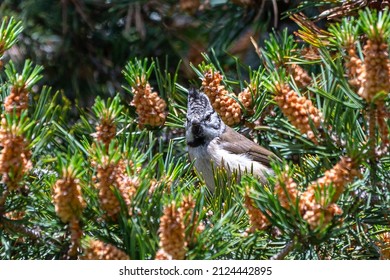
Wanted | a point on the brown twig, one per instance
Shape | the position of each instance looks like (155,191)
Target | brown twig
(80,7)
(372,141)
(284,252)
(12,226)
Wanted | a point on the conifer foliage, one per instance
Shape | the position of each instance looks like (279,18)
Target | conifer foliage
(116,183)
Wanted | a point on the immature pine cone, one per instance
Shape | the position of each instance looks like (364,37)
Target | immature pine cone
(113,175)
(67,197)
(127,185)
(190,219)
(340,175)
(286,191)
(172,233)
(104,181)
(298,110)
(75,236)
(98,250)
(224,105)
(17,100)
(14,157)
(228,109)
(354,67)
(384,245)
(211,84)
(300,76)
(257,219)
(105,131)
(318,213)
(246,99)
(375,75)
(149,106)
(162,255)
(15,215)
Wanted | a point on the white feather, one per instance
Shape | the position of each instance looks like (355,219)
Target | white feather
(207,155)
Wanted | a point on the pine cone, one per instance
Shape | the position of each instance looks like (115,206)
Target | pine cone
(75,236)
(67,197)
(14,157)
(228,109)
(384,245)
(113,175)
(127,185)
(162,255)
(246,99)
(224,105)
(186,209)
(105,131)
(300,75)
(354,67)
(339,176)
(98,250)
(149,106)
(17,100)
(298,110)
(375,75)
(172,233)
(319,213)
(257,219)
(211,84)
(286,191)
(104,181)
(190,220)
(15,215)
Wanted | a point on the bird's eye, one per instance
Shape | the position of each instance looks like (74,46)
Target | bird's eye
(208,118)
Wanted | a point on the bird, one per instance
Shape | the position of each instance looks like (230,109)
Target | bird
(212,144)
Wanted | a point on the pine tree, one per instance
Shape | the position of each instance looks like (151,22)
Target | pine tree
(115,181)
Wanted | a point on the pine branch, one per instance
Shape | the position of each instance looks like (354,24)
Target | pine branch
(10,29)
(284,252)
(34,234)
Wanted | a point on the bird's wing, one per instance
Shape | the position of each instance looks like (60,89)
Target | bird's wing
(236,143)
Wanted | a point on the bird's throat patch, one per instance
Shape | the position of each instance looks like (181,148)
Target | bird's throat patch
(196,142)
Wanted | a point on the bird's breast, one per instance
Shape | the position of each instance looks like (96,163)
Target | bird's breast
(205,159)
(212,155)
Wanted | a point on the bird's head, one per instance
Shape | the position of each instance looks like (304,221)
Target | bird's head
(203,123)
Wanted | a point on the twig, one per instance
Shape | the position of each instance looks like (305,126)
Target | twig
(32,233)
(256,46)
(129,17)
(64,4)
(371,143)
(282,254)
(35,233)
(276,12)
(80,7)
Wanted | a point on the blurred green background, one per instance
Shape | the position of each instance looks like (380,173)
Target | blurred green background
(83,44)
